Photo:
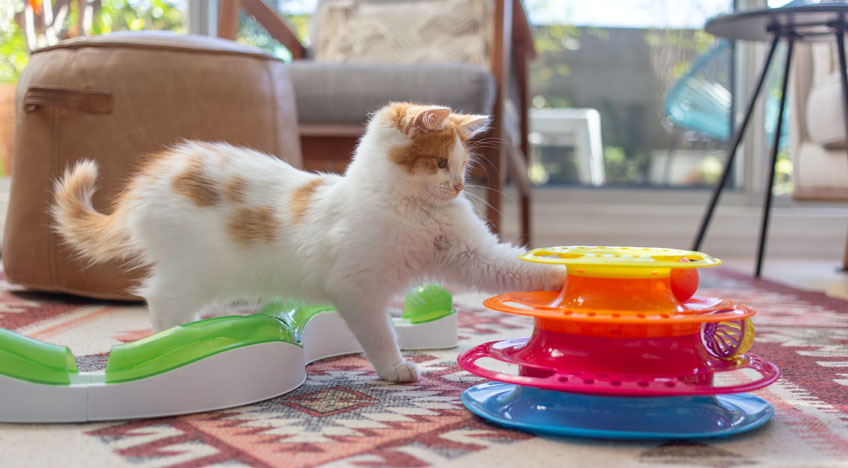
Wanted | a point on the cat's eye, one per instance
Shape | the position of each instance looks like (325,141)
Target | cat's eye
(442,163)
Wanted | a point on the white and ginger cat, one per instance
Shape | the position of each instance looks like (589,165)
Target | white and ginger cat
(217,223)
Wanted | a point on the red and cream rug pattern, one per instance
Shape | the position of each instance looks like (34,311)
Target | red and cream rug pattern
(344,417)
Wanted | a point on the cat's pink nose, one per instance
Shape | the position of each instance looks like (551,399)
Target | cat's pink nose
(458,187)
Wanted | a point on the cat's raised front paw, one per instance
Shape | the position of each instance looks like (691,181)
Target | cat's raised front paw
(402,372)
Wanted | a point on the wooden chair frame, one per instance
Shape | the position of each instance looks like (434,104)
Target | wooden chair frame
(328,147)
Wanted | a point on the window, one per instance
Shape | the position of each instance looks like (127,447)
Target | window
(26,25)
(297,14)
(29,24)
(659,84)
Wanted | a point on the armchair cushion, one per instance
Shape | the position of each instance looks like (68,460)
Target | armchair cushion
(824,120)
(402,31)
(819,165)
(345,93)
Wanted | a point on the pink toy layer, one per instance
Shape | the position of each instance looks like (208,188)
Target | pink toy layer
(664,366)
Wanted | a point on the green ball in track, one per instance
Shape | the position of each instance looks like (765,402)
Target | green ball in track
(294,313)
(426,303)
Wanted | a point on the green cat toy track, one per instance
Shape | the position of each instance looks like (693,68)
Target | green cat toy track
(201,366)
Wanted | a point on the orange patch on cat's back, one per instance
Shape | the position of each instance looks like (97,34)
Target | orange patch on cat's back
(250,225)
(150,162)
(302,197)
(236,190)
(194,184)
(423,151)
(144,168)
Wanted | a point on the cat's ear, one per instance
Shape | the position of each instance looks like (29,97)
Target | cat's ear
(471,125)
(425,120)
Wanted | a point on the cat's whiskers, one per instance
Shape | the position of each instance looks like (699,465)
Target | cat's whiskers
(481,162)
(417,202)
(475,164)
(484,202)
(441,190)
(425,205)
(476,161)
(491,143)
(477,146)
(483,187)
(499,141)
(512,239)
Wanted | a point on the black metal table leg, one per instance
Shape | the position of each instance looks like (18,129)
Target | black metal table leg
(790,43)
(840,42)
(840,28)
(737,138)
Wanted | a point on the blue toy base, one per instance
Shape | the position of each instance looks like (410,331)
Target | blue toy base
(557,413)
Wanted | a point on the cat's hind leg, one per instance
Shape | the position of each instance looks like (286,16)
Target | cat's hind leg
(172,300)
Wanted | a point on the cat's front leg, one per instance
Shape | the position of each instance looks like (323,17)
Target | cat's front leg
(372,327)
(472,257)
(469,255)
(494,267)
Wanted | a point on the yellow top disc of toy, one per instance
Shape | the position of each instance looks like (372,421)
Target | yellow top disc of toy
(620,262)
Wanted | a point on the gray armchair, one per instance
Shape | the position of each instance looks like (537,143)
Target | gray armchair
(470,55)
(819,157)
(819,150)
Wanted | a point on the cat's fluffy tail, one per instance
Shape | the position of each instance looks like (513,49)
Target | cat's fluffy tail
(95,236)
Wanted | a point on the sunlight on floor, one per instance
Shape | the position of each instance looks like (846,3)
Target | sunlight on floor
(809,274)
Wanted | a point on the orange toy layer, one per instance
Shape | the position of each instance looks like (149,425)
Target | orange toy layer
(548,305)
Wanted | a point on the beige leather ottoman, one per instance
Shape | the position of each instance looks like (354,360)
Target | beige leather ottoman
(113,99)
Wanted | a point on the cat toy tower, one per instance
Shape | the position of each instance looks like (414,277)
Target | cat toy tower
(624,350)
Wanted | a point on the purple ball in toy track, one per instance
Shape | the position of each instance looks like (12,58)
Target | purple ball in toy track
(727,339)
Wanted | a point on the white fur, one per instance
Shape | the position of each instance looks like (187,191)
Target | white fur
(366,237)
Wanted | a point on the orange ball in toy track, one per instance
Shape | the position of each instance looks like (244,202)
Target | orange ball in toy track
(684,282)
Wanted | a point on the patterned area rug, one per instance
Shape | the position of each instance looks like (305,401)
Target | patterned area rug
(344,416)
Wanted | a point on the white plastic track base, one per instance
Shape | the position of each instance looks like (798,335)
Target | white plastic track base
(232,378)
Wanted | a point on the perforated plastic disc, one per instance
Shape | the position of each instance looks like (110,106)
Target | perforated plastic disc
(619,262)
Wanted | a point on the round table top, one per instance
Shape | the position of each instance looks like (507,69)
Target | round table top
(809,22)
